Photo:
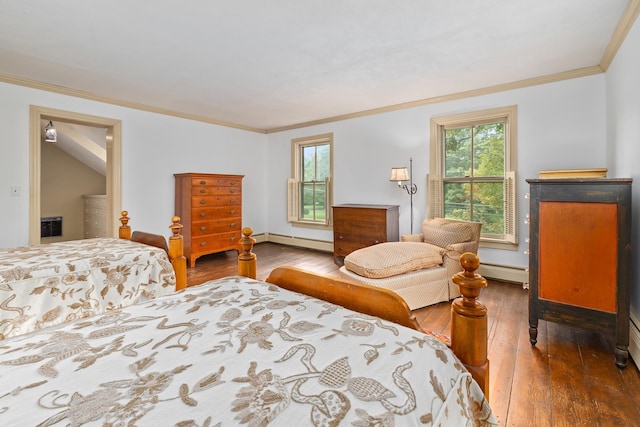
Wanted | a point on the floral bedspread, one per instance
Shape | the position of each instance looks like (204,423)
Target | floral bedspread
(48,284)
(231,352)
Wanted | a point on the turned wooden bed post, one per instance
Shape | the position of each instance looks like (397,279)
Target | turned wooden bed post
(125,228)
(176,253)
(247,260)
(469,322)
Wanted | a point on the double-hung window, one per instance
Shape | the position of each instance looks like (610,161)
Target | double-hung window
(473,160)
(309,192)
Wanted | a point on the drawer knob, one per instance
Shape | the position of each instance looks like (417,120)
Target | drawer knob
(340,237)
(232,211)
(203,228)
(232,201)
(202,202)
(233,190)
(203,182)
(202,190)
(233,239)
(233,224)
(203,214)
(203,243)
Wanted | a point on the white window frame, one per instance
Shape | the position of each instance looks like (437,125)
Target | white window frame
(435,203)
(294,184)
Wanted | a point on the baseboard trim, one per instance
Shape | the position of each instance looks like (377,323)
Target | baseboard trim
(320,245)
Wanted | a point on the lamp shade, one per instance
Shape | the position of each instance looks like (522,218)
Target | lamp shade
(399,174)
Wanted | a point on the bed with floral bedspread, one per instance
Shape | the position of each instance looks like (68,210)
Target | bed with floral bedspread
(235,351)
(48,284)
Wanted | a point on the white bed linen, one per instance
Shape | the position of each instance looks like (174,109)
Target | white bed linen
(52,283)
(230,352)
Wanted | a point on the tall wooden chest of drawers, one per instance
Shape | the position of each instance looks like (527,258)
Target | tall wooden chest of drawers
(210,208)
(580,256)
(358,226)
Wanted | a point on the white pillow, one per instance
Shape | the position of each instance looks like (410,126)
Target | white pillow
(393,258)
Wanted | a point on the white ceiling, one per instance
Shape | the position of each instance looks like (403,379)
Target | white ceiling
(264,65)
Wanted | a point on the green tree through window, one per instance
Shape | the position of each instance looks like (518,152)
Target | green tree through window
(474,175)
(315,170)
(309,191)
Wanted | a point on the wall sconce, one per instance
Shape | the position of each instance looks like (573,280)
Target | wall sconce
(401,174)
(50,134)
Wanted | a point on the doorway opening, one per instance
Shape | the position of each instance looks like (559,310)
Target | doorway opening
(113,164)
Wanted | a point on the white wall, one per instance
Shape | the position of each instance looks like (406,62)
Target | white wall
(623,134)
(560,126)
(154,147)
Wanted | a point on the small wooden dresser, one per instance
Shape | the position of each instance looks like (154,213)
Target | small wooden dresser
(358,226)
(210,208)
(580,256)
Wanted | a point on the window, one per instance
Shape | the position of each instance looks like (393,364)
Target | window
(309,191)
(473,159)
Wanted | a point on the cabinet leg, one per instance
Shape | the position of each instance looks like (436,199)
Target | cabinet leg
(533,333)
(622,355)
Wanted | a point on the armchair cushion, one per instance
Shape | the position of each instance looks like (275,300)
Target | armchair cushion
(444,232)
(393,258)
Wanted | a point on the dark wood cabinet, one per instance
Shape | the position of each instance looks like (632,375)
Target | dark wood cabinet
(210,208)
(580,255)
(358,226)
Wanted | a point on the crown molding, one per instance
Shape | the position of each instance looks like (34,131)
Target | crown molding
(128,104)
(566,75)
(626,22)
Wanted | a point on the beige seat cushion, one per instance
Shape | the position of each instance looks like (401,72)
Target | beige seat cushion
(443,232)
(393,258)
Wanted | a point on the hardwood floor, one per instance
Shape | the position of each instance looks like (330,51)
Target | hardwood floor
(567,379)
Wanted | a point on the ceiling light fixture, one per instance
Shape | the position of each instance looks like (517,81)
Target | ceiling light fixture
(50,134)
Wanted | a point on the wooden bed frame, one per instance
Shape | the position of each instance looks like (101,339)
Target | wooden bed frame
(175,248)
(468,315)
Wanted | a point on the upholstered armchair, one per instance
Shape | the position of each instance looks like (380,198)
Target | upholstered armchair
(419,267)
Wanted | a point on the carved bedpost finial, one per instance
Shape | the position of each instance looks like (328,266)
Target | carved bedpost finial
(175,226)
(247,260)
(125,230)
(176,253)
(469,322)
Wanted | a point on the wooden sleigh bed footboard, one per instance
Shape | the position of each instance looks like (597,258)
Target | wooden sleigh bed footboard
(469,332)
(175,248)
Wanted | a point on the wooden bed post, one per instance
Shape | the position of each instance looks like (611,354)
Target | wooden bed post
(176,253)
(125,229)
(247,260)
(469,322)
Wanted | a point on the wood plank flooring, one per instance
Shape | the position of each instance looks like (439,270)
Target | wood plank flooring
(568,378)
